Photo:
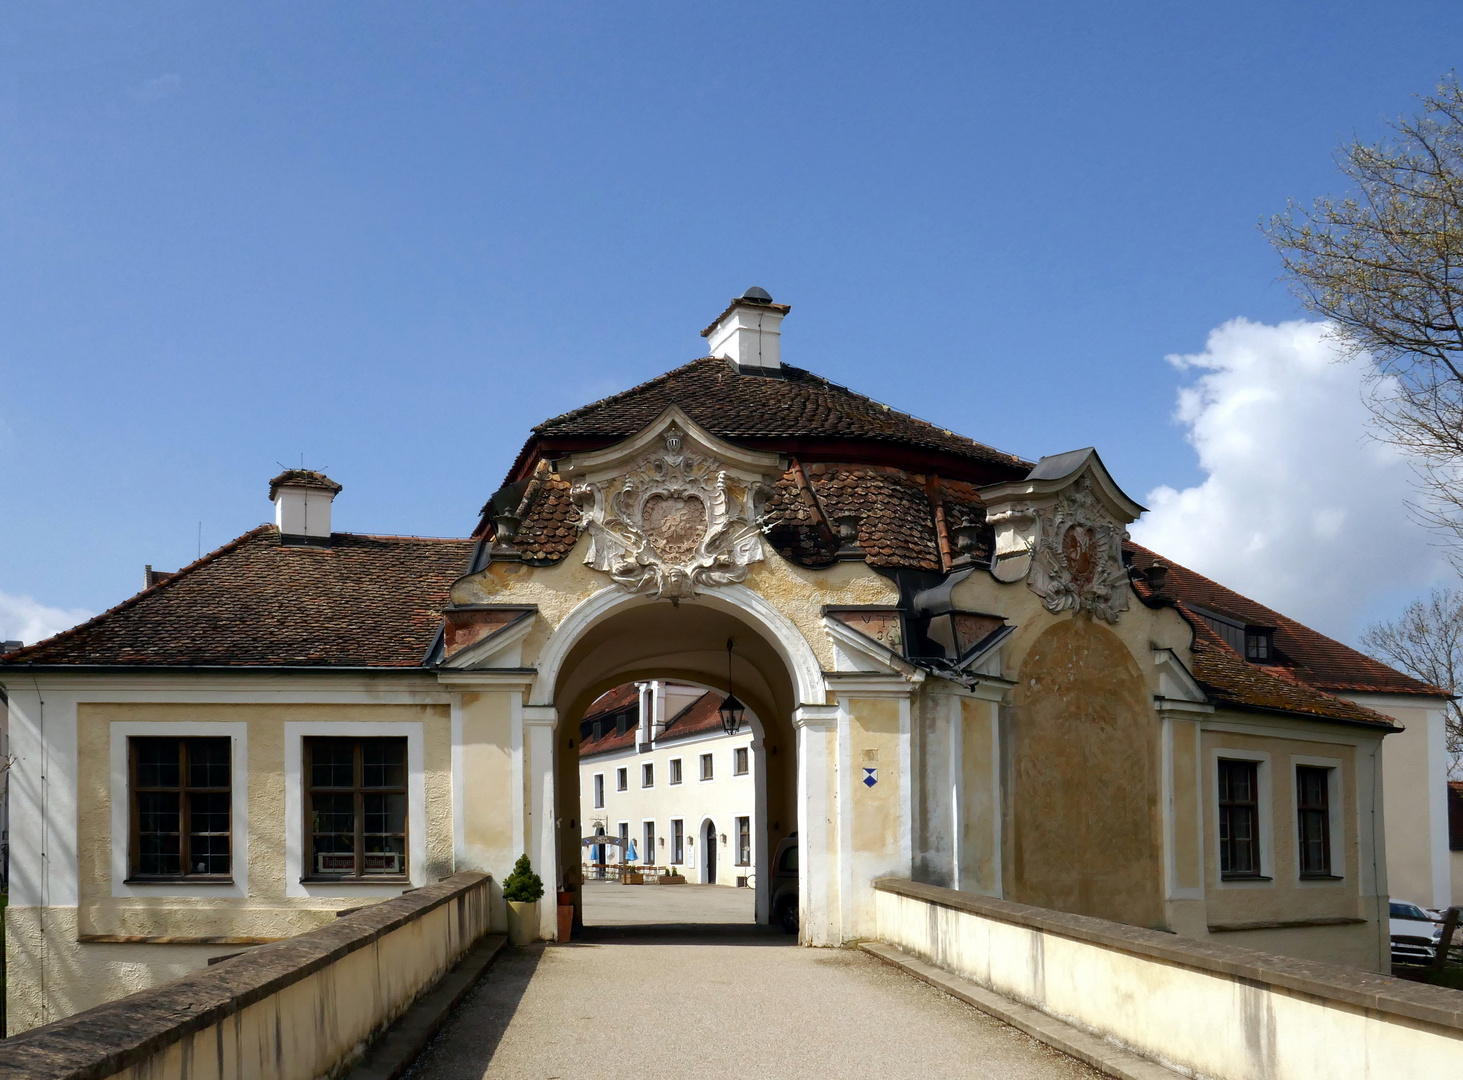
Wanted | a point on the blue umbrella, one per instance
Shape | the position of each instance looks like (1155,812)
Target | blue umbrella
(632,857)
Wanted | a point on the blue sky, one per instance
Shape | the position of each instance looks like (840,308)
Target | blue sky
(392,237)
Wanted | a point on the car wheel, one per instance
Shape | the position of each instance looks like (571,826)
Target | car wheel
(787,916)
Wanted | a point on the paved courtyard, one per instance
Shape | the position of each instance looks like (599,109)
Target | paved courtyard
(609,903)
(672,1004)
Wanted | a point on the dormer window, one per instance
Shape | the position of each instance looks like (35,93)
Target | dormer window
(1259,644)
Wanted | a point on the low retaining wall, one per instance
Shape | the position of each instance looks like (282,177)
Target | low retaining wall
(295,1010)
(1198,1007)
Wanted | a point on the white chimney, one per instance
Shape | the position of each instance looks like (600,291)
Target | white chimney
(302,501)
(747,333)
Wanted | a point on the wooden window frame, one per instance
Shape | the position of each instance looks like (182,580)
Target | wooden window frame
(359,791)
(647,775)
(1322,812)
(599,790)
(741,761)
(185,811)
(743,826)
(708,767)
(674,772)
(622,779)
(678,842)
(1227,809)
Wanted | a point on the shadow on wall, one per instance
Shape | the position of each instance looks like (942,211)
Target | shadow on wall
(1087,833)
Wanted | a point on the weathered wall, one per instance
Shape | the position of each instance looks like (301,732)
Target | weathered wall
(1202,1008)
(296,1010)
(1085,827)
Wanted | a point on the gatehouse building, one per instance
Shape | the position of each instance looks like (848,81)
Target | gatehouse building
(956,668)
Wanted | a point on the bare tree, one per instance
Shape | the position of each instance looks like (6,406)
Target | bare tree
(1385,264)
(1426,641)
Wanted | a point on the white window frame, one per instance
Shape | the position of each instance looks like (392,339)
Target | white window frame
(1266,800)
(671,858)
(675,771)
(647,768)
(1335,820)
(647,860)
(238,734)
(622,778)
(707,767)
(737,820)
(295,734)
(597,784)
(741,760)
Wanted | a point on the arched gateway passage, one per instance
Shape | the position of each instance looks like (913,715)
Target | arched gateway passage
(614,639)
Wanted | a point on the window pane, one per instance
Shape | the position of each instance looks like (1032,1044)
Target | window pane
(385,834)
(383,762)
(333,833)
(208,763)
(158,833)
(332,763)
(157,762)
(208,833)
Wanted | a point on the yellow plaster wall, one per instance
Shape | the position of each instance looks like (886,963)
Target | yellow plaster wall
(1085,792)
(266,911)
(1188,856)
(487,772)
(978,865)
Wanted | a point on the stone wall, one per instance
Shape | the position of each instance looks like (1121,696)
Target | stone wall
(294,1010)
(1202,1008)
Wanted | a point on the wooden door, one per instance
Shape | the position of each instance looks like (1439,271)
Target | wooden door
(710,853)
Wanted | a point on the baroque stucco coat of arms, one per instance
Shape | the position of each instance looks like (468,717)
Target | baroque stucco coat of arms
(1063,531)
(673,521)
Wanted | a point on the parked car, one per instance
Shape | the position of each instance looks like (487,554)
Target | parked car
(785,884)
(1415,935)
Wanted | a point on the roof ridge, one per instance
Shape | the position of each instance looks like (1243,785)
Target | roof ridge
(137,598)
(583,409)
(1281,618)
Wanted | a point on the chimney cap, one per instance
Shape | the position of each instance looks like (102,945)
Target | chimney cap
(757,295)
(303,478)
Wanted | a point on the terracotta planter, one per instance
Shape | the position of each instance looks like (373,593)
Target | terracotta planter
(672,879)
(566,921)
(522,921)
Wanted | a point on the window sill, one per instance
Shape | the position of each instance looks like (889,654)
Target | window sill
(1321,877)
(1244,877)
(382,880)
(193,879)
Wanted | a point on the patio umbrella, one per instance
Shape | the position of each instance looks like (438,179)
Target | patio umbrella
(632,857)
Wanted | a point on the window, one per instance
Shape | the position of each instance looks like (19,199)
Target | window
(647,775)
(622,724)
(678,841)
(1313,819)
(1259,644)
(705,766)
(744,841)
(599,791)
(622,779)
(624,832)
(1239,819)
(180,807)
(788,864)
(739,761)
(355,807)
(647,854)
(675,770)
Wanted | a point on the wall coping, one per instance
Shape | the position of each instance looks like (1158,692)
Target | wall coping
(1328,983)
(103,1041)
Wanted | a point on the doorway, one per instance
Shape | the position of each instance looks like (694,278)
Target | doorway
(710,850)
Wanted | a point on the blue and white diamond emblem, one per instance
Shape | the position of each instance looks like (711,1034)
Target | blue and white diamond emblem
(871,776)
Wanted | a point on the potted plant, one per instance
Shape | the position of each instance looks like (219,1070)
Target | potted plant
(523,889)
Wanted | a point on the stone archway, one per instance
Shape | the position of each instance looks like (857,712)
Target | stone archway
(613,638)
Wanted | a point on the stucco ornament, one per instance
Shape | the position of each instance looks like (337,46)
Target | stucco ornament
(1062,529)
(1078,561)
(672,520)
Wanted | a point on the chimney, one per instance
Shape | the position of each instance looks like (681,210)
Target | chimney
(302,499)
(747,333)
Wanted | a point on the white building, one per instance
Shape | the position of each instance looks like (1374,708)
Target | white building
(657,769)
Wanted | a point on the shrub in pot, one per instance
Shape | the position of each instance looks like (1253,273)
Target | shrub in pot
(522,889)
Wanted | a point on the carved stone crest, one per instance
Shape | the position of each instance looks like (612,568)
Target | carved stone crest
(1078,561)
(1063,528)
(669,520)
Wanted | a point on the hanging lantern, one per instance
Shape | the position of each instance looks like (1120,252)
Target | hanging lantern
(732,711)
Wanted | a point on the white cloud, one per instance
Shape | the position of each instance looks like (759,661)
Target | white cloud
(23,619)
(1302,509)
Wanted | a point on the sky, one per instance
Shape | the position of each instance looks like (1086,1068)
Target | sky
(387,239)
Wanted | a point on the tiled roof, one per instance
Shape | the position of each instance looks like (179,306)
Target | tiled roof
(701,716)
(305,478)
(364,601)
(796,404)
(1309,656)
